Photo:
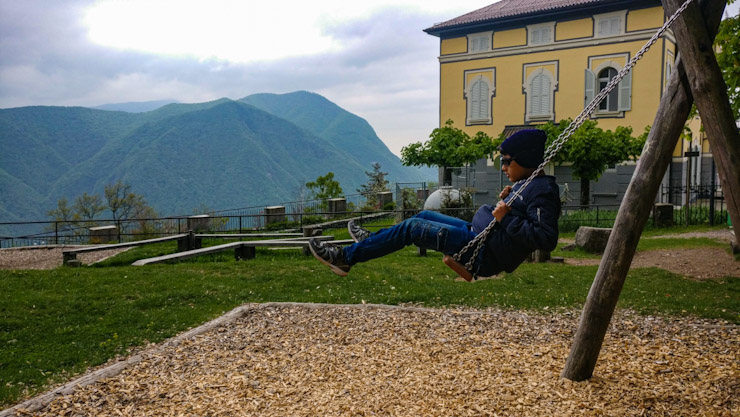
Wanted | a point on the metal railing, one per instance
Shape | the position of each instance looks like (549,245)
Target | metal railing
(697,205)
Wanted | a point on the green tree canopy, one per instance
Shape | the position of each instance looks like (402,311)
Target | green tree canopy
(448,147)
(63,213)
(324,187)
(88,207)
(125,204)
(728,58)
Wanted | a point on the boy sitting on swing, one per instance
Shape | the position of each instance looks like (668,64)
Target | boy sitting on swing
(530,223)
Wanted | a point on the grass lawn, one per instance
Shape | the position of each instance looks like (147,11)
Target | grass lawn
(56,323)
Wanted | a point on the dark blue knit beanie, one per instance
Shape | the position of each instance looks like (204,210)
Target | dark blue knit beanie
(526,147)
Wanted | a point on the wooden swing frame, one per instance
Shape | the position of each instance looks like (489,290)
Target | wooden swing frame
(696,77)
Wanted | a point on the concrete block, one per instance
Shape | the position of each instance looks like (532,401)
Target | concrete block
(337,206)
(663,214)
(245,252)
(103,234)
(274,214)
(592,239)
(384,198)
(199,223)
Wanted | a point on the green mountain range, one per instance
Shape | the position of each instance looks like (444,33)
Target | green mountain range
(222,154)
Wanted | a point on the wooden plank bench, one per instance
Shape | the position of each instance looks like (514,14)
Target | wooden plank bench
(243,235)
(242,250)
(71,254)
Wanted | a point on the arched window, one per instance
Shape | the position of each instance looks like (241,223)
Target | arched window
(478,94)
(611,102)
(540,88)
(619,99)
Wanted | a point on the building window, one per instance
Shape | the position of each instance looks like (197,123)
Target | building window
(619,99)
(478,93)
(540,34)
(540,90)
(479,42)
(611,24)
(611,101)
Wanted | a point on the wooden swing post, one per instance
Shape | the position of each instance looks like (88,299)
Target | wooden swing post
(710,95)
(634,211)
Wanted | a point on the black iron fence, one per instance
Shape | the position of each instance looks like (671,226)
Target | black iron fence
(105,231)
(697,205)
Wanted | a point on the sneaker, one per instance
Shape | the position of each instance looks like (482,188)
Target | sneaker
(357,233)
(329,255)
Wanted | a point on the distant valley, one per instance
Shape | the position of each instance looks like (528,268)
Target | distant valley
(222,154)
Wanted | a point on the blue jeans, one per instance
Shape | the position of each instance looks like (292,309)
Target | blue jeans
(428,230)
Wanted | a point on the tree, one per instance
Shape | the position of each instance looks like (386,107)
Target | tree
(376,184)
(592,150)
(727,45)
(88,207)
(62,215)
(124,204)
(448,147)
(324,187)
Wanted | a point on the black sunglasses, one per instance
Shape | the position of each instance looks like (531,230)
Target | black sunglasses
(506,161)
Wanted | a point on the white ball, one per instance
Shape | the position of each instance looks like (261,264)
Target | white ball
(435,200)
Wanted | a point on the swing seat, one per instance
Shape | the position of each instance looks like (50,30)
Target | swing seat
(457,267)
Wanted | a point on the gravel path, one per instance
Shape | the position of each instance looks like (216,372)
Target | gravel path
(47,257)
(320,360)
(699,263)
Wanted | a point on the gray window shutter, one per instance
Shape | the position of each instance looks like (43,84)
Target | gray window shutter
(590,86)
(539,100)
(482,99)
(545,91)
(625,92)
(478,100)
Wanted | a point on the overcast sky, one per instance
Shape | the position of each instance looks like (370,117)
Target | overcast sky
(370,57)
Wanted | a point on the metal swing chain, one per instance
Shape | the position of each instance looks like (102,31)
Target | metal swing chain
(558,143)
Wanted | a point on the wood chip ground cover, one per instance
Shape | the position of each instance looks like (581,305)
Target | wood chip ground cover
(323,360)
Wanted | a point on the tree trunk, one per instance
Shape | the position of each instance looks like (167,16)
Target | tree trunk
(585,193)
(446,176)
(633,214)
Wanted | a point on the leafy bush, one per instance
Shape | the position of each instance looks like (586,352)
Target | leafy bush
(461,207)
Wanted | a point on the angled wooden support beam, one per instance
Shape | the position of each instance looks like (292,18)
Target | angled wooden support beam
(634,212)
(710,94)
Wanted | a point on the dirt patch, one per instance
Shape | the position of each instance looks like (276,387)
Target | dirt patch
(306,360)
(699,263)
(47,257)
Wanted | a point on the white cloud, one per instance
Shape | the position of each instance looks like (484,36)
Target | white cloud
(237,30)
(377,62)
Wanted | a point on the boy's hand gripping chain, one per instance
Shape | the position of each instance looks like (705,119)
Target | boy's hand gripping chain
(467,272)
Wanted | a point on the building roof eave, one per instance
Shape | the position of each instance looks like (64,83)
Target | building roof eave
(446,30)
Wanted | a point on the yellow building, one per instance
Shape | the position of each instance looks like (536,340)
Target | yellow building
(520,63)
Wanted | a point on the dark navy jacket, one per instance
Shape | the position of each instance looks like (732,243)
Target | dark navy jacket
(531,224)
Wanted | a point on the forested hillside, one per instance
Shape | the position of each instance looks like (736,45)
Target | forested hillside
(221,154)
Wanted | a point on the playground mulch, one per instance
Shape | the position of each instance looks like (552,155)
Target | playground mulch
(307,360)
